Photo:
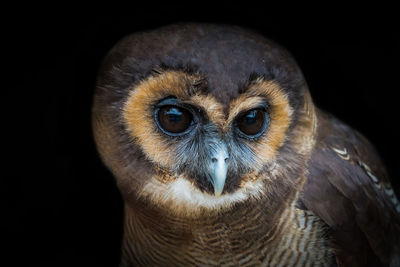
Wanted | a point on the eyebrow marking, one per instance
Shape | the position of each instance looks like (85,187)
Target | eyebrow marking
(193,81)
(211,107)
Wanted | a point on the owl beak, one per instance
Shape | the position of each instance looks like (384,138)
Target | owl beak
(218,167)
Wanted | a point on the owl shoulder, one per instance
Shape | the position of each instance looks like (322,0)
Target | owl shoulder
(349,189)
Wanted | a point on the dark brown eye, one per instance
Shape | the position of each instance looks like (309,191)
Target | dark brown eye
(173,119)
(253,123)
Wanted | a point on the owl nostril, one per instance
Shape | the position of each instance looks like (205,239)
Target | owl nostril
(215,160)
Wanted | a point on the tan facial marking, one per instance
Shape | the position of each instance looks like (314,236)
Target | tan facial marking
(306,128)
(278,109)
(138,112)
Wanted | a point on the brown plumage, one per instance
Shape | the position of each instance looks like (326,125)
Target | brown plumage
(223,159)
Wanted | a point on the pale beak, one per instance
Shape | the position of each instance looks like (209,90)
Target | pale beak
(218,166)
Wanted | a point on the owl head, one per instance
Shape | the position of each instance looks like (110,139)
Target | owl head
(195,119)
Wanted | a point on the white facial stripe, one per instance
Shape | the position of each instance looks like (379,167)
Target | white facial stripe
(183,198)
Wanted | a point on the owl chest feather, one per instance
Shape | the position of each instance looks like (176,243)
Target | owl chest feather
(294,239)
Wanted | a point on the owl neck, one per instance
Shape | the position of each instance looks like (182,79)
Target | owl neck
(151,235)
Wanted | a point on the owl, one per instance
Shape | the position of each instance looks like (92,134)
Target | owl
(222,158)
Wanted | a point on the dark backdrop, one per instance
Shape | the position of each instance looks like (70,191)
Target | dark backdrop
(62,206)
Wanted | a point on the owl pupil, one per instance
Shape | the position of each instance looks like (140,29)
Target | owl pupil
(174,115)
(251,117)
(253,122)
(174,120)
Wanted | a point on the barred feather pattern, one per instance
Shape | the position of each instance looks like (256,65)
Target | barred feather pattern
(297,239)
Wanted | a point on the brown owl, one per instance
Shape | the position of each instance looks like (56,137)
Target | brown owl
(223,159)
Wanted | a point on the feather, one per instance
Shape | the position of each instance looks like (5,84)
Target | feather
(350,198)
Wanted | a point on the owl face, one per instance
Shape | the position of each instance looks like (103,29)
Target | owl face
(182,139)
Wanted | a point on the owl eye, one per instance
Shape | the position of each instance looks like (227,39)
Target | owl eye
(253,123)
(174,120)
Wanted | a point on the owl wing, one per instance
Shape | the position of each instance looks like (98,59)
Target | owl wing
(349,189)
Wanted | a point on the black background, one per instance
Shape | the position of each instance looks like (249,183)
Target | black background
(62,206)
